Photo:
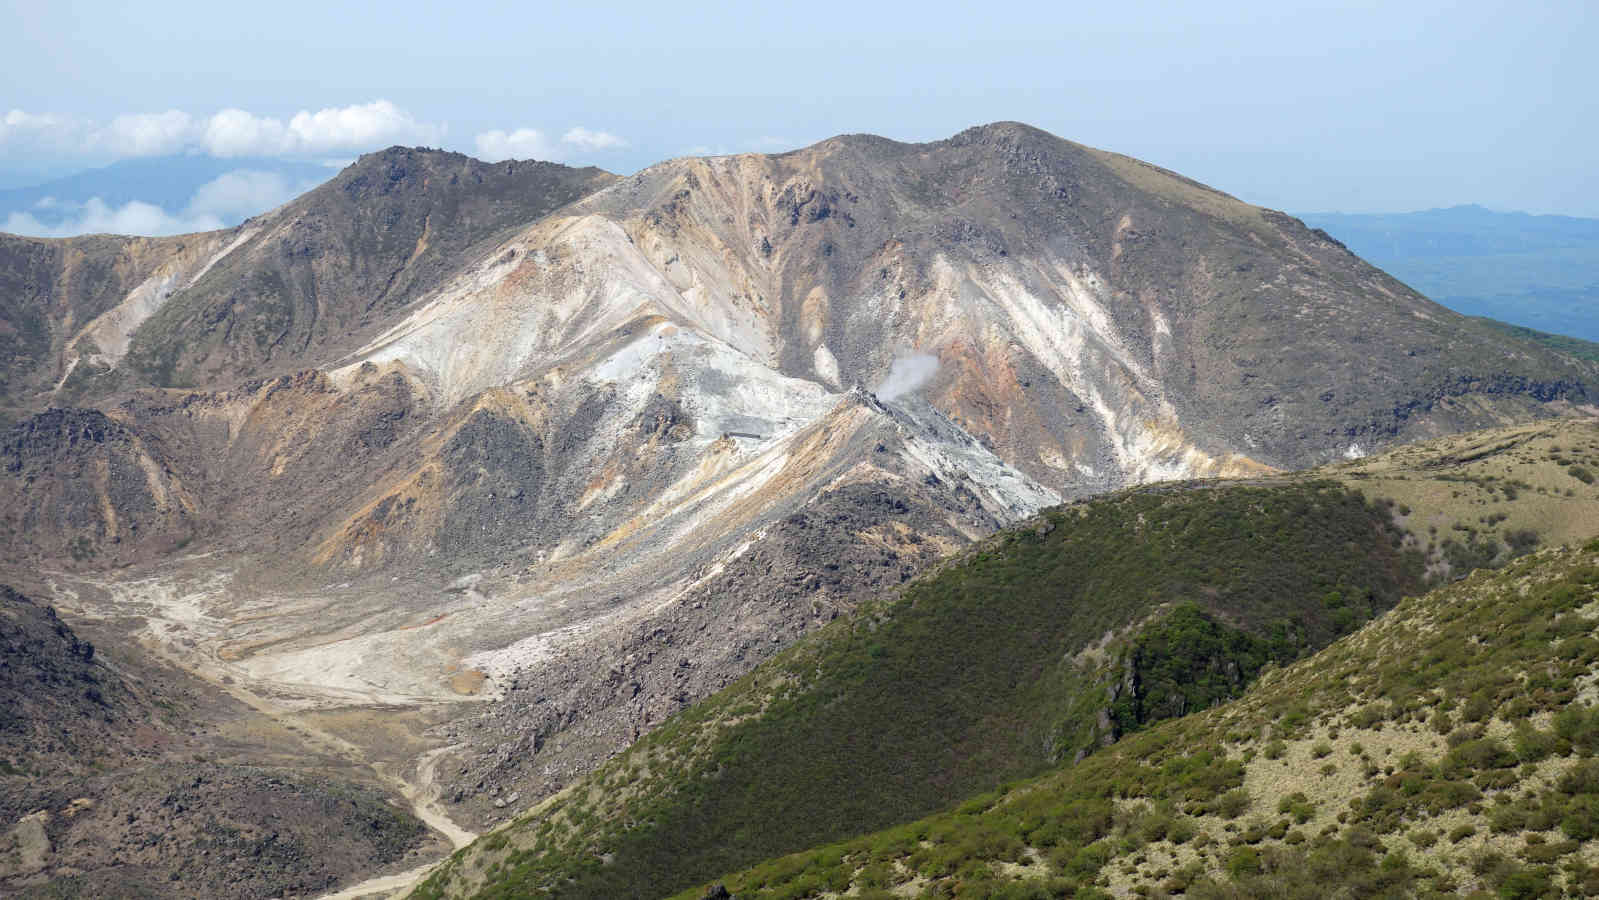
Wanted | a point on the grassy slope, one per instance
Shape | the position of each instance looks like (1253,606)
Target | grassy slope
(974,676)
(1448,747)
(1468,498)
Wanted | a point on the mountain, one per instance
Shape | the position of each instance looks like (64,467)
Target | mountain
(1570,346)
(546,455)
(1539,272)
(1048,642)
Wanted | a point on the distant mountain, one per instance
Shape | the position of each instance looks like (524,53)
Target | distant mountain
(166,181)
(1541,272)
(177,185)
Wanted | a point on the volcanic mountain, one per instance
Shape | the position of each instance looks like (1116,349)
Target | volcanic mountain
(593,446)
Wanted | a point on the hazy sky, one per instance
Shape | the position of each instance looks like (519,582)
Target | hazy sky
(1378,106)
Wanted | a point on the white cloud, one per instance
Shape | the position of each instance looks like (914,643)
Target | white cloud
(17,121)
(243,193)
(235,132)
(24,134)
(592,140)
(531,143)
(218,203)
(230,132)
(523,143)
(146,134)
(97,217)
(354,127)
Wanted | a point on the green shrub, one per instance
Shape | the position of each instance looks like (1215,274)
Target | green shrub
(1231,805)
(1243,861)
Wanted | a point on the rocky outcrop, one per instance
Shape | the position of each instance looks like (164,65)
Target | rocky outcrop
(82,489)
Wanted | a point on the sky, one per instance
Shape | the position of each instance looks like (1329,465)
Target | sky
(1355,107)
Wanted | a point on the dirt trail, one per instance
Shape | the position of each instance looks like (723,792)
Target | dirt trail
(424,797)
(421,791)
(424,802)
(383,885)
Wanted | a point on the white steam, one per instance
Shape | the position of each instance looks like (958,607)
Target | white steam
(908,373)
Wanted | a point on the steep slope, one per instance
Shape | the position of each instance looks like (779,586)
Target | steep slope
(59,710)
(261,298)
(78,485)
(1098,321)
(447,433)
(337,260)
(1023,654)
(51,290)
(1447,748)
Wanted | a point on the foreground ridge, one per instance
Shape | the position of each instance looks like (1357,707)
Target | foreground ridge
(1447,747)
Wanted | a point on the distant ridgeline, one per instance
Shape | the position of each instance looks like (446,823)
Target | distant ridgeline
(1541,272)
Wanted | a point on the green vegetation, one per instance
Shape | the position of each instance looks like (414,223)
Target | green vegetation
(1438,819)
(1000,665)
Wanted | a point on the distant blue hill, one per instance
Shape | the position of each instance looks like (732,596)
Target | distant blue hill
(1540,272)
(169,182)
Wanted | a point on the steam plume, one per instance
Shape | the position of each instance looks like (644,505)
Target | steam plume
(908,373)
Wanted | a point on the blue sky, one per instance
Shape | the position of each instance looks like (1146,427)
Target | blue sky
(1354,107)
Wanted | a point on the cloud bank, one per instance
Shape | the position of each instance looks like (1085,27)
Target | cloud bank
(231,133)
(227,133)
(218,203)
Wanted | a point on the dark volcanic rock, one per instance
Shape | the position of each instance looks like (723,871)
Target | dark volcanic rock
(80,487)
(336,262)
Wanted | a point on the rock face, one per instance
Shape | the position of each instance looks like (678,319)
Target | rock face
(83,487)
(605,442)
(59,710)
